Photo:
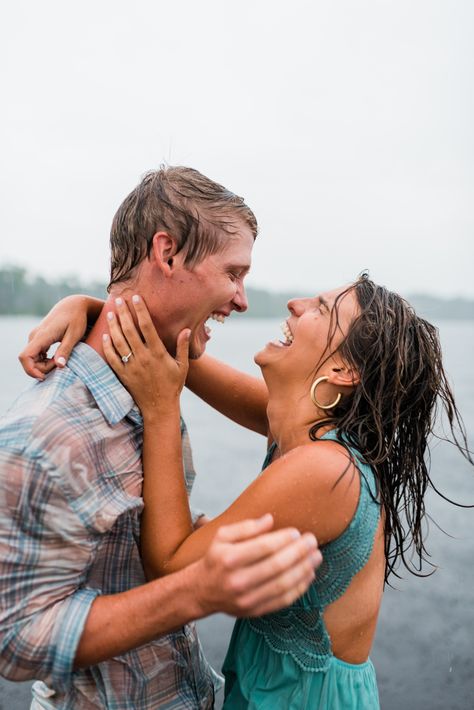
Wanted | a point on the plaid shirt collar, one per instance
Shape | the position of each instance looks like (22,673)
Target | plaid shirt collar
(113,400)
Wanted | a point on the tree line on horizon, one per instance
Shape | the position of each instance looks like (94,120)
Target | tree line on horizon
(24,294)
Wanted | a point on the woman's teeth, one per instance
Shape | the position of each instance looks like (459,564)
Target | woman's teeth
(286,332)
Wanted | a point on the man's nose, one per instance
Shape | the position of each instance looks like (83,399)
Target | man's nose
(239,301)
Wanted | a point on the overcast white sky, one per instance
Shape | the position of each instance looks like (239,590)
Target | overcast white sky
(347,126)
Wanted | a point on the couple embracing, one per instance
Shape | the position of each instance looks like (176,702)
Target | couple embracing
(103,563)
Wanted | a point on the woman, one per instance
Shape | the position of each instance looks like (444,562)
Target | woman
(349,404)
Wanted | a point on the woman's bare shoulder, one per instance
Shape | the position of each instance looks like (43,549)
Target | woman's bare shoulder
(321,479)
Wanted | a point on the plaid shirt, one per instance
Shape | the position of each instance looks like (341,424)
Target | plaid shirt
(70,504)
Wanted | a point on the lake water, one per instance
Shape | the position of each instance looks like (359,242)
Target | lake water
(424,648)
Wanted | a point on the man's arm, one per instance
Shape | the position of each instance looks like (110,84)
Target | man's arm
(235,394)
(244,573)
(52,622)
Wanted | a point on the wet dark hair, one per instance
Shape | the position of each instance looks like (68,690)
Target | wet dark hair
(391,415)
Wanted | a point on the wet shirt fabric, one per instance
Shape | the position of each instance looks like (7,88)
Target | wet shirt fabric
(284,659)
(70,504)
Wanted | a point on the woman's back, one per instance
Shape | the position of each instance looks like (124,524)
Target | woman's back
(285,657)
(351,620)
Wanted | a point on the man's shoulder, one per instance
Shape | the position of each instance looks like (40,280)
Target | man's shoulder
(58,410)
(57,440)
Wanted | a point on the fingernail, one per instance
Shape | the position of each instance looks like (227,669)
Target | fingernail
(110,315)
(315,557)
(118,301)
(295,534)
(310,541)
(61,361)
(136,299)
(105,337)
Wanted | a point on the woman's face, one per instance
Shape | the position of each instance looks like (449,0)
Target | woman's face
(306,331)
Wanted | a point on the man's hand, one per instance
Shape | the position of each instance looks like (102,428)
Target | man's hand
(249,571)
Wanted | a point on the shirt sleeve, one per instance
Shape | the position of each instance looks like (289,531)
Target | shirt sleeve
(45,552)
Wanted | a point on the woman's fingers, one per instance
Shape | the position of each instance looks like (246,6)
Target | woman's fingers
(66,346)
(121,345)
(34,366)
(111,356)
(127,325)
(147,328)
(46,365)
(33,357)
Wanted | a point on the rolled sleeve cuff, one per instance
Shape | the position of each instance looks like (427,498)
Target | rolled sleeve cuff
(67,633)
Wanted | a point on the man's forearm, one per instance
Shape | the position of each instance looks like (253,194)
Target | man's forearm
(120,622)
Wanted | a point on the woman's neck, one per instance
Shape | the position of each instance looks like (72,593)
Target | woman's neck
(290,420)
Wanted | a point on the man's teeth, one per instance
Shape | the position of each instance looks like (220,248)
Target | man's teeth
(287,332)
(218,317)
(207,329)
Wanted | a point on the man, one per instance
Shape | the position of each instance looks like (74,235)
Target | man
(76,610)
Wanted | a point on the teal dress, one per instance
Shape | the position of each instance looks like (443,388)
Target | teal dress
(284,660)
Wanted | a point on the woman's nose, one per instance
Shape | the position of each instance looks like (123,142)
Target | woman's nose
(295,306)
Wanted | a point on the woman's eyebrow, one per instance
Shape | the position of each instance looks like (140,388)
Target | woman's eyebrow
(323,303)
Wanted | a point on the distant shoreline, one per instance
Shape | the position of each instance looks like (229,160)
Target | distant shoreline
(24,295)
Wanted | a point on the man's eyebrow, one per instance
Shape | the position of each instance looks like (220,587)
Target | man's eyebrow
(239,267)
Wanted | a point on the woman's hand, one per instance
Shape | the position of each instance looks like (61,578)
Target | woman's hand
(140,360)
(66,322)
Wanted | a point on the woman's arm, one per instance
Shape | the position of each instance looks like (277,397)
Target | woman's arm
(66,323)
(238,396)
(298,490)
(301,489)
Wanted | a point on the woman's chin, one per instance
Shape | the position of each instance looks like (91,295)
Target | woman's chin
(264,356)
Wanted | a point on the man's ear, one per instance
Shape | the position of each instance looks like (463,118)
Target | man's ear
(343,376)
(164,249)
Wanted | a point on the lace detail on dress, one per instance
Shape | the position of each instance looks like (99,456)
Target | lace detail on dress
(299,630)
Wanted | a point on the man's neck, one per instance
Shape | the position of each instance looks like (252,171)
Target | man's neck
(94,339)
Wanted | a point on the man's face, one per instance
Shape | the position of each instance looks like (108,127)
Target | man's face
(214,288)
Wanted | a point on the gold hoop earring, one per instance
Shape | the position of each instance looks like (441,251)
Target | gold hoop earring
(313,395)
